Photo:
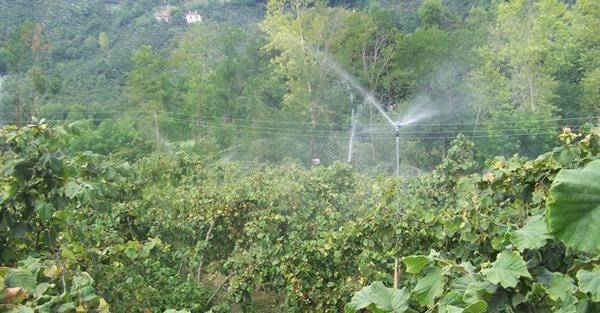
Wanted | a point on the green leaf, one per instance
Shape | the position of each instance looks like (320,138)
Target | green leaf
(532,236)
(44,210)
(69,307)
(131,253)
(507,269)
(573,208)
(41,289)
(383,298)
(476,307)
(561,287)
(451,309)
(20,278)
(429,287)
(537,293)
(72,189)
(478,290)
(589,281)
(415,263)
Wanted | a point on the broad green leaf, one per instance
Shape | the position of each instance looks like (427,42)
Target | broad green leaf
(589,281)
(429,287)
(72,189)
(451,309)
(148,246)
(82,280)
(131,253)
(44,210)
(1,283)
(561,287)
(476,307)
(69,307)
(568,308)
(20,278)
(415,263)
(31,264)
(537,293)
(532,236)
(67,255)
(41,289)
(452,297)
(507,269)
(383,298)
(478,290)
(573,208)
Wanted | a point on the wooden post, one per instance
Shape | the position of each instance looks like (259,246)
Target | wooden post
(396,273)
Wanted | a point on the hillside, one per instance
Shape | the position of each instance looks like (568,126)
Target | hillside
(92,72)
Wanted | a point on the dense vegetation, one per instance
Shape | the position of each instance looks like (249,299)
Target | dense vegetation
(173,231)
(160,166)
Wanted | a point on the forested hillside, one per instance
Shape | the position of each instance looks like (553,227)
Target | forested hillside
(87,46)
(428,156)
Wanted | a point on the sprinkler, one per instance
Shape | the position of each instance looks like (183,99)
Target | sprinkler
(397,125)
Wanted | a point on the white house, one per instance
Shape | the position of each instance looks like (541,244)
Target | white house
(193,17)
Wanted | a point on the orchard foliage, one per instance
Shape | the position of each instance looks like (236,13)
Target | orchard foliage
(524,240)
(173,231)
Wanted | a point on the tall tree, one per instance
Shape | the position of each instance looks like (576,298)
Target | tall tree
(149,85)
(524,52)
(299,33)
(21,54)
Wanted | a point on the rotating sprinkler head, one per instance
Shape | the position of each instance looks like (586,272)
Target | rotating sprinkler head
(397,125)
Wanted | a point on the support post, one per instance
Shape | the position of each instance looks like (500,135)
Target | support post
(397,273)
(352,130)
(156,132)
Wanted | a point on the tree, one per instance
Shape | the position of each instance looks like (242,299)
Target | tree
(20,55)
(299,35)
(591,93)
(431,13)
(149,83)
(586,46)
(517,82)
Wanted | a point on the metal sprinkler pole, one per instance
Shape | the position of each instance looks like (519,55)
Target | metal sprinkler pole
(397,150)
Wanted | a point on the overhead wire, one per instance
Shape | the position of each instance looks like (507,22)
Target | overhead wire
(194,118)
(285,132)
(233,126)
